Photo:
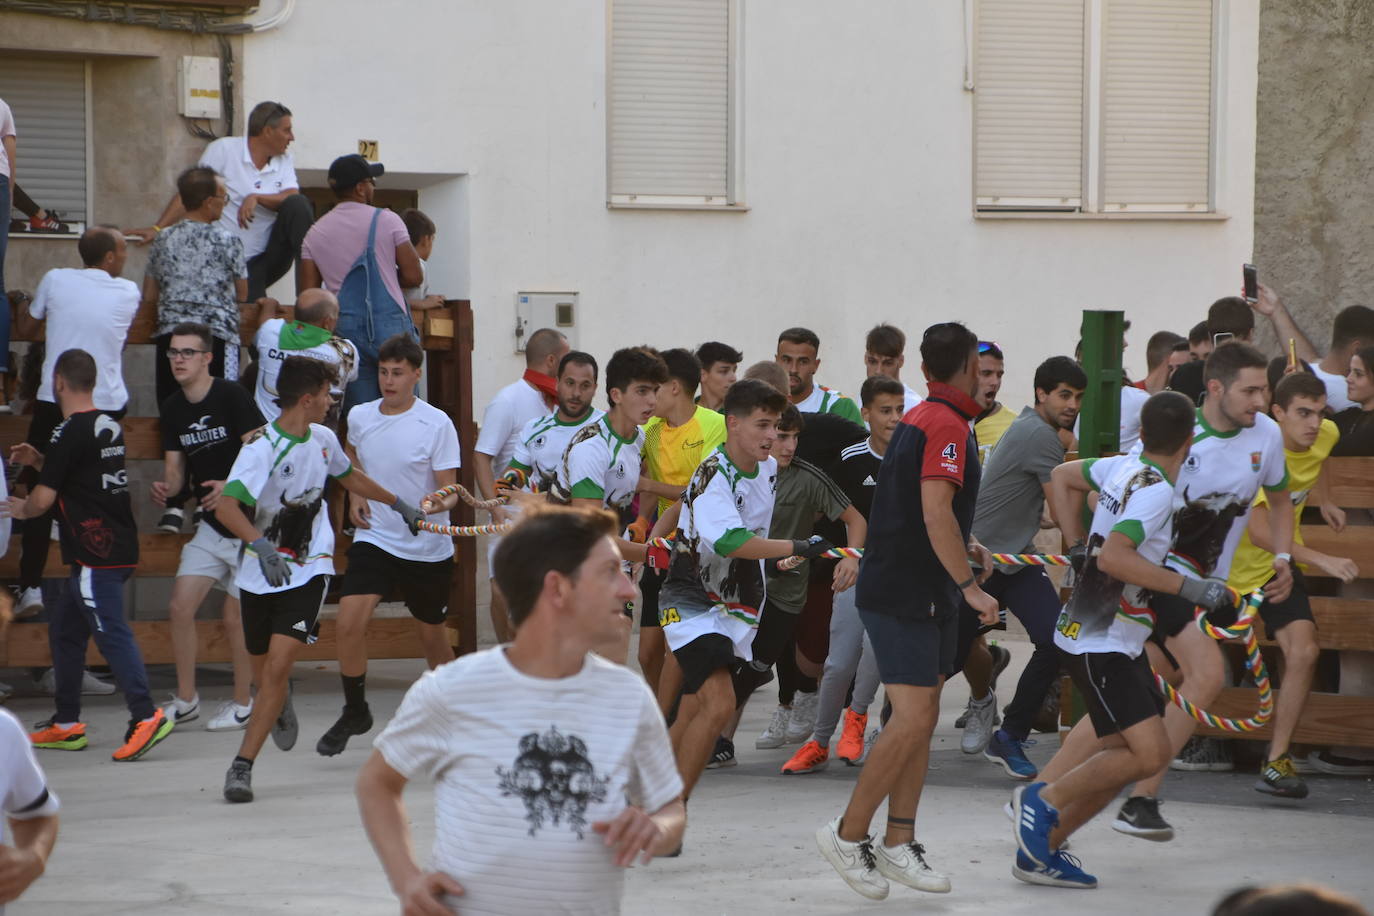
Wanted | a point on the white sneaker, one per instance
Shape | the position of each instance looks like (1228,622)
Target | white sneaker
(91,686)
(979,727)
(180,710)
(803,720)
(856,862)
(906,864)
(776,733)
(30,603)
(229,717)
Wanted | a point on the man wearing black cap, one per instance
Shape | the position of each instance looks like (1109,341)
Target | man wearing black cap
(363,255)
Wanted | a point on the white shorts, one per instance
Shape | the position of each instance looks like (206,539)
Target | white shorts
(213,556)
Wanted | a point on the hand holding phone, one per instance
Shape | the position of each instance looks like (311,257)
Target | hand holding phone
(1251,280)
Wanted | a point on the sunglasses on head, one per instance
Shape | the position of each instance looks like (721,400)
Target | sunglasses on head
(986,345)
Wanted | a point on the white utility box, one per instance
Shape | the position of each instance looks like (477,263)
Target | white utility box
(545,310)
(198,88)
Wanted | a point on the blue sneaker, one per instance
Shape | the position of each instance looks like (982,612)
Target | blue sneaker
(1035,819)
(1007,752)
(1062,871)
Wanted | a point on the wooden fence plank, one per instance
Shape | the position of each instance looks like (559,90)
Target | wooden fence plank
(1327,718)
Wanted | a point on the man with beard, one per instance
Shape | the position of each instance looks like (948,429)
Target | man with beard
(1011,502)
(797,349)
(543,440)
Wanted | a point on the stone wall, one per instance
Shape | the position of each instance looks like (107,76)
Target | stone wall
(1314,159)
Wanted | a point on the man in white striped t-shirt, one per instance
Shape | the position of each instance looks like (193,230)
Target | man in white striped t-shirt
(553,766)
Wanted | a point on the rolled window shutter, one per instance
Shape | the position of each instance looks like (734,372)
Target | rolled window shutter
(48,98)
(670,98)
(1028,104)
(1156,104)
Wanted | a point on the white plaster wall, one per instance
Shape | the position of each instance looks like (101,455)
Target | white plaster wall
(857,170)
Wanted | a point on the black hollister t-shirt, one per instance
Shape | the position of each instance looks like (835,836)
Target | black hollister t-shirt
(84,463)
(210,433)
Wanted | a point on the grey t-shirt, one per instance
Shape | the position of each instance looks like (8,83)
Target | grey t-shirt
(1012,496)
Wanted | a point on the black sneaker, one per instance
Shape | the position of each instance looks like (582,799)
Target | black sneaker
(238,782)
(723,756)
(1047,718)
(1279,777)
(171,520)
(1139,817)
(349,724)
(286,729)
(1000,659)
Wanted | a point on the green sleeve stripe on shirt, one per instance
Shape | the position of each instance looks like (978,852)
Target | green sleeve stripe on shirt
(236,490)
(1132,528)
(732,540)
(516,465)
(846,408)
(1088,472)
(587,489)
(1282,484)
(348,470)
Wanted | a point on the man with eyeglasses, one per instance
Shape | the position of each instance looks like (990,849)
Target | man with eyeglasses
(265,207)
(363,255)
(203,425)
(89,308)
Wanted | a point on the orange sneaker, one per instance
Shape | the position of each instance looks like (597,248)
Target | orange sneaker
(851,746)
(141,736)
(809,758)
(56,738)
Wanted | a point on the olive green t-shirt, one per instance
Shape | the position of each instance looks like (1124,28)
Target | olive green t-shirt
(804,492)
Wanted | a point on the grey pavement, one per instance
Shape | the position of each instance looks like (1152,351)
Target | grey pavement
(155,836)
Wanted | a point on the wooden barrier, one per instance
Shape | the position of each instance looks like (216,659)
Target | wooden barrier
(447,336)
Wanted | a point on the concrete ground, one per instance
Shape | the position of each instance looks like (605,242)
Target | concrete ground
(155,836)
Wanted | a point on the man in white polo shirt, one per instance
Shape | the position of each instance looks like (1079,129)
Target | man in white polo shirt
(532,395)
(266,208)
(90,308)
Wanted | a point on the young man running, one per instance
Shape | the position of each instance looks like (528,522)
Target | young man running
(1011,503)
(1236,450)
(803,496)
(885,354)
(203,426)
(797,349)
(1102,632)
(850,659)
(409,447)
(916,564)
(527,398)
(718,365)
(543,440)
(710,603)
(280,476)
(552,768)
(1299,408)
(82,474)
(679,435)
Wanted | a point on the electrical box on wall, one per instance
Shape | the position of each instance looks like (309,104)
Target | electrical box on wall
(545,310)
(198,88)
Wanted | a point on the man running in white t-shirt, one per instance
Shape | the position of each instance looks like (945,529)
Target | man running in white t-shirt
(528,397)
(411,448)
(552,766)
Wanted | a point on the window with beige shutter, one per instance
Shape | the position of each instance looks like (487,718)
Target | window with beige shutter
(48,98)
(670,98)
(1094,106)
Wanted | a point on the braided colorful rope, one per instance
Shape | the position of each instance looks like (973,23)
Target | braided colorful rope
(1244,628)
(468,498)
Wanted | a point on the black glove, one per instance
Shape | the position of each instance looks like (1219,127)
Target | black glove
(811,548)
(275,567)
(1209,594)
(1078,557)
(411,514)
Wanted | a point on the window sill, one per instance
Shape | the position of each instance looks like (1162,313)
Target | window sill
(64,236)
(702,208)
(1130,216)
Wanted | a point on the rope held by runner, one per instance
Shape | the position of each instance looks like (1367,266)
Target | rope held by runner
(468,498)
(1244,628)
(464,531)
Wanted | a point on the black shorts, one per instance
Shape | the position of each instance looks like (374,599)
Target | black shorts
(1172,614)
(424,584)
(1297,606)
(918,650)
(650,582)
(1118,691)
(703,657)
(294,612)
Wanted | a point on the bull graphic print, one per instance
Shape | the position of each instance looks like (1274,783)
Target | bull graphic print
(555,779)
(1201,527)
(293,523)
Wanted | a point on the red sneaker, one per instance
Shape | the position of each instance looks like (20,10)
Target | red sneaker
(851,746)
(809,758)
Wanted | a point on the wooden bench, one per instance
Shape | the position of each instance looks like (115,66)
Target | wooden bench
(447,339)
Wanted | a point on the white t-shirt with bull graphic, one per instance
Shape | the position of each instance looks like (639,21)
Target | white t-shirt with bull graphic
(281,478)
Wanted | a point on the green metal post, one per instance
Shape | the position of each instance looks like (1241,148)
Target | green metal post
(1099,422)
